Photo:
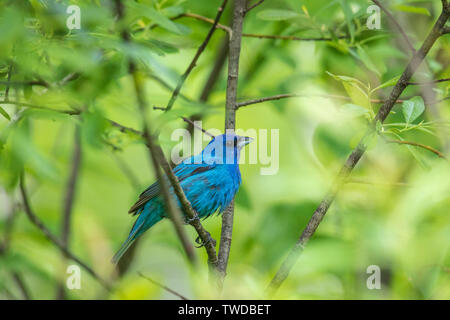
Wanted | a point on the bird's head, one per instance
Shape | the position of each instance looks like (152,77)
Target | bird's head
(225,149)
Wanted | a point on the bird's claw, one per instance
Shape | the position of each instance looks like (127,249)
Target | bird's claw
(200,243)
(190,220)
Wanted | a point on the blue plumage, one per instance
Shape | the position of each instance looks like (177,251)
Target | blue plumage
(210,180)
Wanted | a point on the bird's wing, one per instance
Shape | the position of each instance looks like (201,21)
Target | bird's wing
(182,171)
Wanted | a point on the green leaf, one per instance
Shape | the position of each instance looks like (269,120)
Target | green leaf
(354,109)
(413,108)
(355,90)
(277,14)
(4,113)
(365,58)
(348,18)
(412,9)
(358,96)
(150,13)
(389,83)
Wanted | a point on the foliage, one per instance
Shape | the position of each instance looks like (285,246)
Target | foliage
(393,212)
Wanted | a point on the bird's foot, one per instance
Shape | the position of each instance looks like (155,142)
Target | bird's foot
(190,220)
(200,243)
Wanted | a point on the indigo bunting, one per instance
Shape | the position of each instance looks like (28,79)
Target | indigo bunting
(209,180)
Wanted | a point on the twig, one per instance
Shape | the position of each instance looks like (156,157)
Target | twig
(214,75)
(163,287)
(358,152)
(230,124)
(197,127)
(253,6)
(123,128)
(69,199)
(30,105)
(190,212)
(428,82)
(170,206)
(169,87)
(397,25)
(25,83)
(390,184)
(253,35)
(299,95)
(196,57)
(294,38)
(21,284)
(52,238)
(420,145)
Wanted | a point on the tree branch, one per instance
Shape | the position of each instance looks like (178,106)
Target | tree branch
(69,200)
(253,6)
(358,152)
(253,35)
(170,206)
(397,25)
(196,57)
(179,295)
(52,238)
(428,82)
(21,285)
(420,145)
(197,127)
(300,95)
(230,124)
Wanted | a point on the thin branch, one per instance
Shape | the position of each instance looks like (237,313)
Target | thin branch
(192,216)
(253,6)
(384,184)
(169,87)
(230,124)
(21,285)
(123,128)
(35,106)
(294,38)
(25,83)
(420,145)
(300,95)
(196,57)
(69,199)
(358,152)
(253,35)
(397,25)
(170,206)
(52,238)
(428,82)
(214,76)
(179,295)
(192,123)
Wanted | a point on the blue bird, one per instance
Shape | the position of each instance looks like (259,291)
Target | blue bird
(210,180)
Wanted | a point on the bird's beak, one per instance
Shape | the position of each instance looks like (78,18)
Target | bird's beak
(243,141)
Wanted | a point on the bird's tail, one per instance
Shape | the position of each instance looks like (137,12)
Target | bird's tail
(143,223)
(125,246)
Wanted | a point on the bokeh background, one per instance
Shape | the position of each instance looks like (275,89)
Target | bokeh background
(394,213)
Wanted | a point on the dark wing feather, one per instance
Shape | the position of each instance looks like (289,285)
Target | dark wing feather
(145,196)
(182,171)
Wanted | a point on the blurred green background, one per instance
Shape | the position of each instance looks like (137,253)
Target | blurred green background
(394,213)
